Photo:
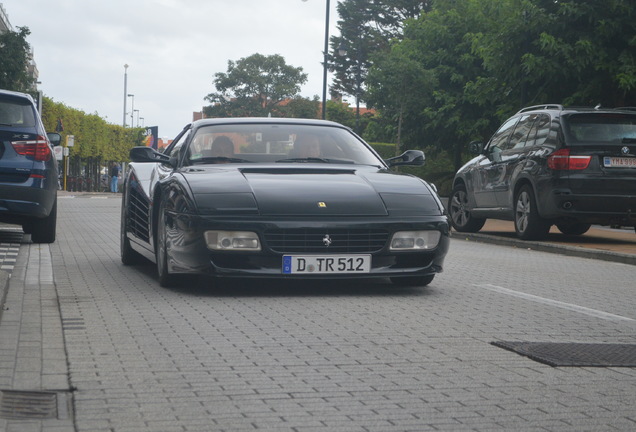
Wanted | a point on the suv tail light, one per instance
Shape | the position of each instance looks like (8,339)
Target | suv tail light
(38,148)
(561,160)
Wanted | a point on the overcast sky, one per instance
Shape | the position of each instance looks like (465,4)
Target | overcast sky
(173,49)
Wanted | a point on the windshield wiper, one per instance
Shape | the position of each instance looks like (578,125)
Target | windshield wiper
(627,140)
(214,159)
(316,159)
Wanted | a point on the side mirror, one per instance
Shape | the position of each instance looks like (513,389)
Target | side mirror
(409,157)
(147,154)
(55,138)
(475,147)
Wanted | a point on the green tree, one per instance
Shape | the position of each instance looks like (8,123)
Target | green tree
(590,52)
(299,107)
(422,81)
(254,86)
(399,87)
(366,28)
(15,54)
(340,113)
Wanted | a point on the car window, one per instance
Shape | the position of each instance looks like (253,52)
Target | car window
(178,146)
(540,131)
(16,112)
(280,142)
(522,129)
(499,140)
(600,128)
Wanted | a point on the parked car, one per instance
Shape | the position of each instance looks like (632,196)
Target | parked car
(28,168)
(237,198)
(550,165)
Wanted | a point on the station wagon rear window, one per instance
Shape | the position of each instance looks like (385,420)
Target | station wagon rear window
(600,128)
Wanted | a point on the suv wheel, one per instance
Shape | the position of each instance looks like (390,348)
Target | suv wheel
(460,216)
(528,224)
(573,228)
(43,230)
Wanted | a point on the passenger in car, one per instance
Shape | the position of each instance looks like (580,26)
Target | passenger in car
(306,146)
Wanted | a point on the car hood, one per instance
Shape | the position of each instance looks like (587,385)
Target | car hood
(306,191)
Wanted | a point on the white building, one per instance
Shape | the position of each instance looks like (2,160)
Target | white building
(5,25)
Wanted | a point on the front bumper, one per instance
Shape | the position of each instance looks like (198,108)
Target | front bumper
(189,253)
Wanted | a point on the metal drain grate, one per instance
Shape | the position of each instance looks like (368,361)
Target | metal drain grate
(73,324)
(575,354)
(34,405)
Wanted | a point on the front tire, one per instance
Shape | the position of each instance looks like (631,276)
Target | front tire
(460,216)
(528,224)
(43,230)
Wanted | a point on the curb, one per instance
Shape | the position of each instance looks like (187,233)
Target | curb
(548,247)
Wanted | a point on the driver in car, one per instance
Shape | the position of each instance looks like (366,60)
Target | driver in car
(222,146)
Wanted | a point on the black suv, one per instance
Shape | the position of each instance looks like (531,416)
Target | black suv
(549,165)
(28,168)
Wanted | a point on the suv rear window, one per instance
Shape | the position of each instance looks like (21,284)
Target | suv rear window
(16,112)
(601,128)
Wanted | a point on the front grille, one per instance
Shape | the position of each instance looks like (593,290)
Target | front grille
(314,240)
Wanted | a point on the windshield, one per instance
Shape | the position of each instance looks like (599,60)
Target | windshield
(278,143)
(600,128)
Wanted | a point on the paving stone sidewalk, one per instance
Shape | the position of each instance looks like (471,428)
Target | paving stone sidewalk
(34,387)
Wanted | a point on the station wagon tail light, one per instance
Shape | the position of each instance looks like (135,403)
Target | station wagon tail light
(232,241)
(415,240)
(562,160)
(38,148)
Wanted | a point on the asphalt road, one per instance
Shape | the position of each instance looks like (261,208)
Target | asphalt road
(253,356)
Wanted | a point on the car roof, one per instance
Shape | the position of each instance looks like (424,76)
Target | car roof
(265,120)
(568,110)
(16,94)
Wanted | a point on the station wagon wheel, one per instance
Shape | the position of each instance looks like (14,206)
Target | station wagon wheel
(412,280)
(460,216)
(161,249)
(528,224)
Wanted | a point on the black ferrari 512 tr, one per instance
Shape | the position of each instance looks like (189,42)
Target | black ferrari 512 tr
(281,198)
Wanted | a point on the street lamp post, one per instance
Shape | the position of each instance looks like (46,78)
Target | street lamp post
(137,111)
(125,92)
(325,65)
(132,109)
(142,121)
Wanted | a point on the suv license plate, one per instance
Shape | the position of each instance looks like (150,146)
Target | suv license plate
(619,162)
(326,264)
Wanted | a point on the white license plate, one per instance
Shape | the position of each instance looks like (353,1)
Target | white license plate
(326,264)
(619,162)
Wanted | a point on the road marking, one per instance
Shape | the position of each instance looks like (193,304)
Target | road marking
(562,305)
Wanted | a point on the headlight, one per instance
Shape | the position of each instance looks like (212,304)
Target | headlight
(232,240)
(415,240)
